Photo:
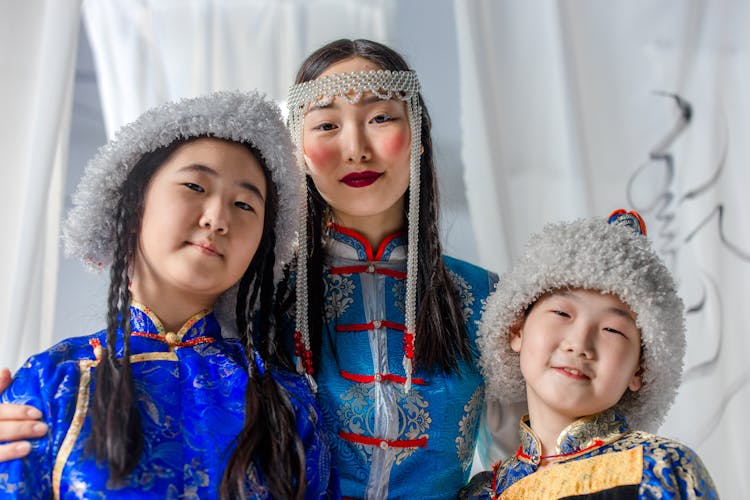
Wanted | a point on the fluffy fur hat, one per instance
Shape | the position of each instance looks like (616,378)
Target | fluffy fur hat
(596,255)
(237,116)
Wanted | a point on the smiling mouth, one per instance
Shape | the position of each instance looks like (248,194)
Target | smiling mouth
(360,179)
(572,373)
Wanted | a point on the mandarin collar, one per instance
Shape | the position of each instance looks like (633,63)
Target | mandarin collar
(202,324)
(351,245)
(580,437)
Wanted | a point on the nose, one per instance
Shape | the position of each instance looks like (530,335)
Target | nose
(579,340)
(215,216)
(357,145)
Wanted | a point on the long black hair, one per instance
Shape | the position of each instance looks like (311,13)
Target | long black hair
(268,439)
(441,339)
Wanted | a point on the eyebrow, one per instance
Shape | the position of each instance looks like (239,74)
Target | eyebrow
(249,186)
(614,309)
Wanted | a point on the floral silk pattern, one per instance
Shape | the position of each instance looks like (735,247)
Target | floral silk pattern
(603,459)
(386,442)
(192,406)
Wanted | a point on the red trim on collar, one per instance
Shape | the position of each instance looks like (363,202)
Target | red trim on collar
(371,255)
(596,444)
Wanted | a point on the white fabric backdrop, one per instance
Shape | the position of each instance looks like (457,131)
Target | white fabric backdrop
(151,51)
(564,115)
(37,55)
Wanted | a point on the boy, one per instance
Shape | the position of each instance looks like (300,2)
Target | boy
(589,327)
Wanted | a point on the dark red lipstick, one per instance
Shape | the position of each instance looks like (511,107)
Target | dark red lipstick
(360,179)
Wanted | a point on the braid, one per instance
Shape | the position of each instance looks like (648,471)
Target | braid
(115,429)
(268,438)
(116,435)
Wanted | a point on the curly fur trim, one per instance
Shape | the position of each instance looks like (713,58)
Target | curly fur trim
(594,255)
(237,116)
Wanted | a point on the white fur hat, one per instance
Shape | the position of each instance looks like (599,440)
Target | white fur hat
(594,254)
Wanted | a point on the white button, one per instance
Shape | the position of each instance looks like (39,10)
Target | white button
(376,324)
(383,445)
(378,377)
(371,268)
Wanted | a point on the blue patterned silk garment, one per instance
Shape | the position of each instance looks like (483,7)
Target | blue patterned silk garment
(598,457)
(388,443)
(190,389)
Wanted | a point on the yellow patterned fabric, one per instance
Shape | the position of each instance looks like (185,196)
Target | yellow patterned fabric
(597,457)
(580,477)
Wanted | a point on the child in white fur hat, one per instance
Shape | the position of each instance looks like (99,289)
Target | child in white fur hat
(588,327)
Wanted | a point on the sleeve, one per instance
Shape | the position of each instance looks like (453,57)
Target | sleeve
(479,488)
(31,476)
(672,467)
(321,474)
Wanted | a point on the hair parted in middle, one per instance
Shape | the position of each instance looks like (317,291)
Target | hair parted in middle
(440,338)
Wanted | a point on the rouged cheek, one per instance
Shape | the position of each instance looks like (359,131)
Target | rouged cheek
(322,156)
(396,143)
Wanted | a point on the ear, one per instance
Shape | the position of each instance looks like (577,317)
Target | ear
(637,381)
(421,150)
(516,334)
(307,164)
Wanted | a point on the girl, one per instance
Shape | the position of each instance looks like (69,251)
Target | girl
(190,206)
(385,323)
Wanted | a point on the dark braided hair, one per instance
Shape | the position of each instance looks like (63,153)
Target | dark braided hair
(441,339)
(268,438)
(116,436)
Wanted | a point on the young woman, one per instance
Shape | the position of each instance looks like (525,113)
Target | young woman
(190,206)
(385,323)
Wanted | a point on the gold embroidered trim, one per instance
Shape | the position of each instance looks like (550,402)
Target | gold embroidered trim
(580,477)
(82,407)
(176,337)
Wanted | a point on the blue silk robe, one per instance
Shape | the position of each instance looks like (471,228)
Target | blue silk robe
(387,443)
(190,390)
(601,459)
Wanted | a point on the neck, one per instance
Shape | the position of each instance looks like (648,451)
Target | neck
(374,228)
(547,424)
(173,310)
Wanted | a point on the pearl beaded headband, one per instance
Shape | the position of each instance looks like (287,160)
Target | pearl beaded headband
(403,85)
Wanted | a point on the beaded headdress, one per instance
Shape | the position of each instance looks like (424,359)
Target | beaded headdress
(610,255)
(89,233)
(385,84)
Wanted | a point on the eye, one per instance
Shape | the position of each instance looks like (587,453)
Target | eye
(194,187)
(244,206)
(561,313)
(383,118)
(612,330)
(325,127)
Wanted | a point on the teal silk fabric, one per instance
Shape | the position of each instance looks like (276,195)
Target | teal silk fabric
(386,442)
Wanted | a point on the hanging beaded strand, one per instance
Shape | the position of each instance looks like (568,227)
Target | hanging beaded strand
(385,84)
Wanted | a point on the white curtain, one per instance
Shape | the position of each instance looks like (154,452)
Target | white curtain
(150,51)
(572,109)
(37,60)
